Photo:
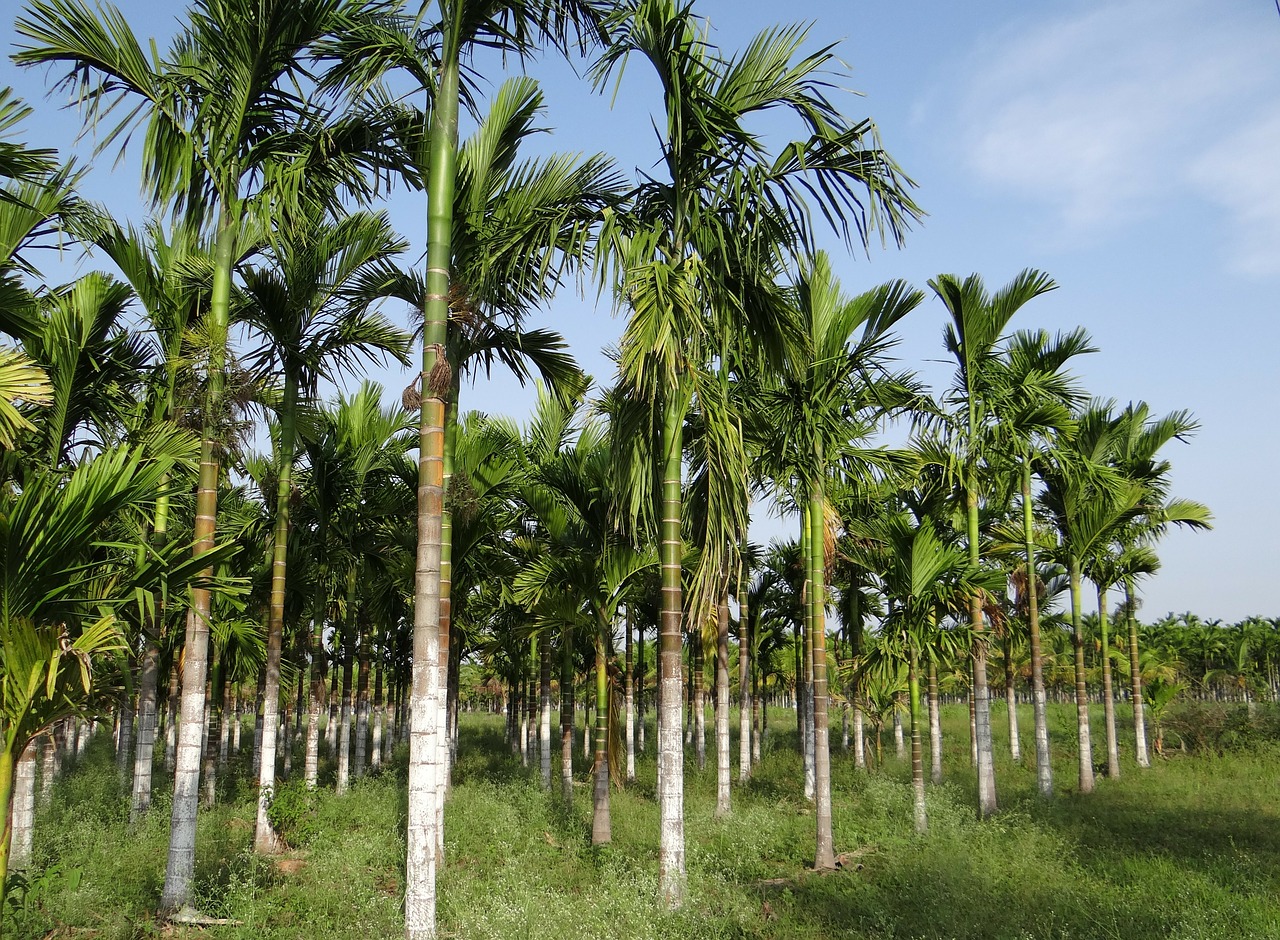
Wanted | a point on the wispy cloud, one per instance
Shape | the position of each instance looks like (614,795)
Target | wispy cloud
(1242,175)
(1111,113)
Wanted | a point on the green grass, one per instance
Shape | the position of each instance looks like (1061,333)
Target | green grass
(1187,850)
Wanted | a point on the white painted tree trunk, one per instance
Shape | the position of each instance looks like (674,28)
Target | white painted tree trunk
(723,762)
(144,751)
(49,768)
(24,807)
(744,695)
(859,739)
(899,746)
(124,742)
(182,829)
(544,712)
(629,699)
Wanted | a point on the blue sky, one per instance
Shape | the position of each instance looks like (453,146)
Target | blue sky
(1130,149)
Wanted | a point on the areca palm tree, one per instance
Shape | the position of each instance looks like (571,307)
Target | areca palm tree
(692,262)
(1033,399)
(978,321)
(311,327)
(830,396)
(1137,443)
(455,28)
(519,226)
(229,142)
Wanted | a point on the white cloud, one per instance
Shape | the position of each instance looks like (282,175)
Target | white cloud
(1242,175)
(1108,114)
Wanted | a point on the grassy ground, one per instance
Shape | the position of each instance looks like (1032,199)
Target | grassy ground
(1187,850)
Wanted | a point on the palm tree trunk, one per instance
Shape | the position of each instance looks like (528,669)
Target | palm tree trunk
(24,807)
(349,628)
(641,710)
(722,708)
(985,761)
(758,706)
(375,758)
(628,692)
(1011,700)
(140,799)
(824,856)
(315,707)
(1108,699)
(49,765)
(124,743)
(899,745)
(671,858)
(566,715)
(7,769)
(917,751)
(601,831)
(1135,679)
(265,838)
(361,749)
(171,719)
(744,688)
(935,725)
(699,699)
(428,732)
(446,590)
(1040,710)
(182,830)
(544,711)
(1085,749)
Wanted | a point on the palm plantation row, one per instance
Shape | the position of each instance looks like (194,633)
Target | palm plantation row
(139,522)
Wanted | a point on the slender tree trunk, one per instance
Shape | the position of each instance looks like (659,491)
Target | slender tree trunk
(641,703)
(899,745)
(544,711)
(973,721)
(49,768)
(1108,698)
(375,759)
(566,715)
(124,742)
(1135,680)
(1085,750)
(628,692)
(824,857)
(8,769)
(987,805)
(24,807)
(140,798)
(745,698)
(171,719)
(671,856)
(265,838)
(699,699)
(237,712)
(315,707)
(601,830)
(1040,710)
(917,751)
(360,751)
(935,725)
(757,714)
(350,633)
(339,656)
(722,708)
(1011,700)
